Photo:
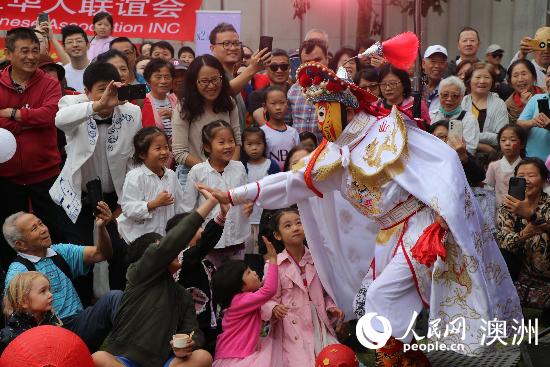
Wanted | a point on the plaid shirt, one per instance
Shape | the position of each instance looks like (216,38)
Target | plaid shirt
(303,112)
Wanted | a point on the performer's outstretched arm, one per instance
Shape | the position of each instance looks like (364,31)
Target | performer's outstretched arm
(277,191)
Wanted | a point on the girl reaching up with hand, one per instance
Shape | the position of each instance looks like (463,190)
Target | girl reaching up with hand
(239,292)
(151,194)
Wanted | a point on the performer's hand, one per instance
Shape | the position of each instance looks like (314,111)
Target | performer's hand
(439,219)
(271,255)
(220,195)
(335,313)
(280,311)
(518,207)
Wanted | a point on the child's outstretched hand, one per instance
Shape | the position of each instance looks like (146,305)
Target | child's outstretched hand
(271,255)
(104,216)
(220,195)
(164,198)
(335,313)
(206,194)
(280,311)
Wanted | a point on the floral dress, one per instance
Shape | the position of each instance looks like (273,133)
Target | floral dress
(533,283)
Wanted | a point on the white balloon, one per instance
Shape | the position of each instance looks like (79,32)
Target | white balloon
(8,145)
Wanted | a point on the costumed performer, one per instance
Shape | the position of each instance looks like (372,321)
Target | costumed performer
(406,184)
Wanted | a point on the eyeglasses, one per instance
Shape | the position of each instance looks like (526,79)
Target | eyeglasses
(391,85)
(449,95)
(282,67)
(206,82)
(247,56)
(227,44)
(74,42)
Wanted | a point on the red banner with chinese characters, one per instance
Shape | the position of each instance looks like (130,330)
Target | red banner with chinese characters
(154,19)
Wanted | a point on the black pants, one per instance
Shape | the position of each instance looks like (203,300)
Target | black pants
(82,233)
(33,198)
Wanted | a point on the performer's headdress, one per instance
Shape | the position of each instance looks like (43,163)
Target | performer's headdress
(329,90)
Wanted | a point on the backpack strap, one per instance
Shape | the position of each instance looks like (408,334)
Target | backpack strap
(57,259)
(60,262)
(25,262)
(461,116)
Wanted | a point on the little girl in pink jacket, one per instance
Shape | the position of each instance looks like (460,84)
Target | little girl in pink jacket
(301,310)
(238,290)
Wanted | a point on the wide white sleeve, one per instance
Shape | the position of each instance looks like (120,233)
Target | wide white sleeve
(283,189)
(132,203)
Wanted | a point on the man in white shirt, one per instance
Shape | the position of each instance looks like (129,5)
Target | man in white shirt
(100,133)
(468,44)
(75,42)
(541,58)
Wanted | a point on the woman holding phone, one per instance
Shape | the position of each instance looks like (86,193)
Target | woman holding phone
(451,93)
(523,233)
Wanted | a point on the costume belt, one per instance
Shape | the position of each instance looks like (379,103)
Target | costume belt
(400,213)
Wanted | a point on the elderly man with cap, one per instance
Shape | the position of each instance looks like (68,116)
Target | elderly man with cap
(434,65)
(541,58)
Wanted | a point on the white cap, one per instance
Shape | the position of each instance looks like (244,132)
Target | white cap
(433,49)
(492,48)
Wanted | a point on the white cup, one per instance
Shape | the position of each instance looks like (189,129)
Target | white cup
(180,340)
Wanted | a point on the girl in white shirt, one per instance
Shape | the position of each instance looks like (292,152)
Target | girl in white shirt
(151,194)
(253,156)
(220,171)
(512,140)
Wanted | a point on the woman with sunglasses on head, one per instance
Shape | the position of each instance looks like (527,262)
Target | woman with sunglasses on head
(206,98)
(278,72)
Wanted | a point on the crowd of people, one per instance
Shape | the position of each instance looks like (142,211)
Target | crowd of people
(108,233)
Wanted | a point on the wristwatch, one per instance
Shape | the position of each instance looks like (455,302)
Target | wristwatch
(13,112)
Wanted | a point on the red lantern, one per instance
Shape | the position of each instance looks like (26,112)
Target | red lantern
(47,346)
(336,355)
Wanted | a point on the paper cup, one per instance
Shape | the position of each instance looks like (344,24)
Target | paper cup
(180,340)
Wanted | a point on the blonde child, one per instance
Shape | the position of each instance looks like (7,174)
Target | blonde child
(151,194)
(27,303)
(103,28)
(301,311)
(512,140)
(221,172)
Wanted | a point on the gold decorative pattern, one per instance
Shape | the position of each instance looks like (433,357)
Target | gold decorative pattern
(388,170)
(373,156)
(385,235)
(364,198)
(322,173)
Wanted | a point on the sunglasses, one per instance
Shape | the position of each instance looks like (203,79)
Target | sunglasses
(282,67)
(497,54)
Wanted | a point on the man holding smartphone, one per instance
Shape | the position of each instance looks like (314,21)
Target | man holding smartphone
(537,122)
(227,48)
(100,131)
